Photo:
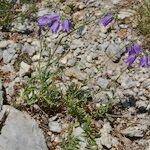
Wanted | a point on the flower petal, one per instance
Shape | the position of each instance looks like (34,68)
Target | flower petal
(54,27)
(144,61)
(66,25)
(130,60)
(106,19)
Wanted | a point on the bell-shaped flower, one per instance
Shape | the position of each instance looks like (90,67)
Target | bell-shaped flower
(47,19)
(54,27)
(66,25)
(144,61)
(43,21)
(130,60)
(105,20)
(133,49)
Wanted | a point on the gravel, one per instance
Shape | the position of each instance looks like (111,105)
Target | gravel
(94,54)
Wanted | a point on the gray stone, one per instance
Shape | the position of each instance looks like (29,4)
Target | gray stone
(142,105)
(102,47)
(10,89)
(18,26)
(54,126)
(127,82)
(114,52)
(71,62)
(7,68)
(76,73)
(148,145)
(135,131)
(106,138)
(20,132)
(29,49)
(98,142)
(77,52)
(125,13)
(8,55)
(60,50)
(65,59)
(24,69)
(77,43)
(3,44)
(90,57)
(101,97)
(103,83)
(116,1)
(43,11)
(146,84)
(79,133)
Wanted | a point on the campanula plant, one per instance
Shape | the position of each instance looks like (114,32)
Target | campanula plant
(105,20)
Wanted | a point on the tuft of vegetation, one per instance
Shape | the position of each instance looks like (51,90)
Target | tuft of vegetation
(6,12)
(27,14)
(144,17)
(70,142)
(41,89)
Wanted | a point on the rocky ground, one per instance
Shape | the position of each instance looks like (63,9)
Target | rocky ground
(94,55)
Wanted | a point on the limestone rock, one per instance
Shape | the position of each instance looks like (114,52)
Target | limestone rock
(20,132)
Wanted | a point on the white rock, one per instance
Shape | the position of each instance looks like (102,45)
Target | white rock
(79,133)
(7,68)
(24,69)
(77,43)
(8,55)
(3,44)
(116,1)
(103,83)
(10,89)
(135,131)
(114,51)
(36,57)
(54,126)
(29,49)
(106,138)
(124,13)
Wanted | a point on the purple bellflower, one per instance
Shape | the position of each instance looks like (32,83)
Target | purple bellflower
(133,49)
(105,20)
(144,61)
(47,19)
(54,27)
(130,60)
(53,17)
(66,25)
(43,21)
